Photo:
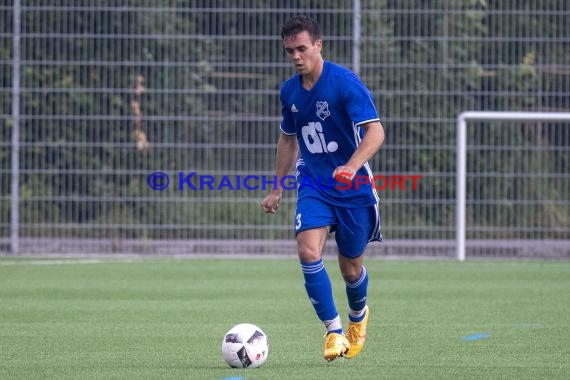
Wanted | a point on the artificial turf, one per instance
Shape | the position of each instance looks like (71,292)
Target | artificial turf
(163,318)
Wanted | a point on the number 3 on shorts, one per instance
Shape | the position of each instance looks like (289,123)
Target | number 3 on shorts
(298,219)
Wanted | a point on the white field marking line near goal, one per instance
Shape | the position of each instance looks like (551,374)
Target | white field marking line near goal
(62,262)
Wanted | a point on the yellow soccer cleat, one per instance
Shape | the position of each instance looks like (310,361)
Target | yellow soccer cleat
(357,335)
(335,345)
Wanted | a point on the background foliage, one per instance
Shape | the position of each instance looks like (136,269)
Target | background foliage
(212,71)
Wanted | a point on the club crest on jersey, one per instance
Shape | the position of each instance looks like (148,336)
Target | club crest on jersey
(323,110)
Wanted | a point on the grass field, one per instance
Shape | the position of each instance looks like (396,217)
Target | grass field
(165,318)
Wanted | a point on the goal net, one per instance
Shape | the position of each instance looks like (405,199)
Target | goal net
(513,184)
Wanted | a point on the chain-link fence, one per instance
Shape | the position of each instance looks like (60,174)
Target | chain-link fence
(108,92)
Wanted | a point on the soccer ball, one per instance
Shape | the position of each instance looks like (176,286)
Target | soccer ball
(245,346)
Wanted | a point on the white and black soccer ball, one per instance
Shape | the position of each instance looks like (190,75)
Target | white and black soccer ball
(245,346)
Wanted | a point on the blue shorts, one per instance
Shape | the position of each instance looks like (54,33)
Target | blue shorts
(353,227)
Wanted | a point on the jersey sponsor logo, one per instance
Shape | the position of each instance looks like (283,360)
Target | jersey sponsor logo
(314,139)
(323,110)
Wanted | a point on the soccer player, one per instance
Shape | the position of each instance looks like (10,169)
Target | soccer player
(329,116)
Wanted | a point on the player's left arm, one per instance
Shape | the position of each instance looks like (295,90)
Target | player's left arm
(370,144)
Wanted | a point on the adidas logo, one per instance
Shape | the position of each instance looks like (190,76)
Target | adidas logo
(363,299)
(294,109)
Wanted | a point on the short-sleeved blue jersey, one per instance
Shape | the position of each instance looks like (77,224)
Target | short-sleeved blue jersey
(326,121)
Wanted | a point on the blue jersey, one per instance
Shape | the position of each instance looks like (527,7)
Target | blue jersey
(326,121)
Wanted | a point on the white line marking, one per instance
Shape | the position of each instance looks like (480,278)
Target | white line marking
(62,262)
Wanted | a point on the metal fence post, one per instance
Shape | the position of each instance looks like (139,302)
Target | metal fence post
(15,191)
(356,35)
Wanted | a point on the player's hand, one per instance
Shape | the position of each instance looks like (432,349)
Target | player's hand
(344,172)
(270,204)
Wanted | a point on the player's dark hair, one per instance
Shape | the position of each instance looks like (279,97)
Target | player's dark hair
(301,23)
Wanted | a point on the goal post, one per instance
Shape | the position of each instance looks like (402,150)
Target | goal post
(461,158)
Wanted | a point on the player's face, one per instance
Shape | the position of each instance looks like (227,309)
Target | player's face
(305,55)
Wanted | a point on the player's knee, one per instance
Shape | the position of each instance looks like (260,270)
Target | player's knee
(351,276)
(310,244)
(350,269)
(308,254)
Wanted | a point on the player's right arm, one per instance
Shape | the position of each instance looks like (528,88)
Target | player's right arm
(287,150)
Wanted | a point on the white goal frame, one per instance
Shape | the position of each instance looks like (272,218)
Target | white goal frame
(461,159)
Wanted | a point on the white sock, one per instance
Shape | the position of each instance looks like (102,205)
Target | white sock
(333,324)
(356,315)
